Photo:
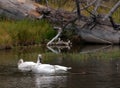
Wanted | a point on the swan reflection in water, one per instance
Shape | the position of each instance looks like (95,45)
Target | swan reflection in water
(58,48)
(43,81)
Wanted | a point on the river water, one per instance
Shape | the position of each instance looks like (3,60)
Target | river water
(86,72)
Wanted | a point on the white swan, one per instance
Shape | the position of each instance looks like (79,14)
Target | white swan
(49,69)
(27,65)
(39,59)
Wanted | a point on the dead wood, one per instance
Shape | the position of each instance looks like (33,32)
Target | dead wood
(19,9)
(112,10)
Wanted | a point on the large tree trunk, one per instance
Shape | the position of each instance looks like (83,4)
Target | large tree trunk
(19,9)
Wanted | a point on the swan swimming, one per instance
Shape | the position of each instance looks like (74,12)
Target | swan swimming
(39,59)
(27,65)
(49,69)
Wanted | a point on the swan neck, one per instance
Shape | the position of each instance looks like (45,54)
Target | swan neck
(39,60)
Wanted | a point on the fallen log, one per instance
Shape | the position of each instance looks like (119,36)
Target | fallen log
(19,9)
(98,32)
(57,17)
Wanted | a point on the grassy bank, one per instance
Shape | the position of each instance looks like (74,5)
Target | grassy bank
(105,55)
(24,32)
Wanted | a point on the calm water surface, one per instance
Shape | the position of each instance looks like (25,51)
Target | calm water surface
(90,72)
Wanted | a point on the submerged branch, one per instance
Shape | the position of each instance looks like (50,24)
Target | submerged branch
(58,34)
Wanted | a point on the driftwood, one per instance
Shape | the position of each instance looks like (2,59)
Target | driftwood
(59,32)
(98,3)
(53,41)
(100,28)
(57,17)
(100,34)
(112,10)
(19,9)
(96,31)
(78,9)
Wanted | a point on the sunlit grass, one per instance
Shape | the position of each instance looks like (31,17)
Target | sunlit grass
(5,40)
(116,15)
(25,32)
(60,4)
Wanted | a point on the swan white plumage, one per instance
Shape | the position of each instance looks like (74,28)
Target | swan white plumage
(49,69)
(27,65)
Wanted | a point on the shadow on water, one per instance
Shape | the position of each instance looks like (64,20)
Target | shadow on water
(92,67)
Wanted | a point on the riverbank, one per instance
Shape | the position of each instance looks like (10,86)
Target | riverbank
(24,32)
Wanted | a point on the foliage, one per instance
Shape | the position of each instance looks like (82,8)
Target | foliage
(25,32)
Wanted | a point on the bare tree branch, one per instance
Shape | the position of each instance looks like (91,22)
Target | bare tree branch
(88,5)
(78,8)
(112,10)
(85,7)
(58,34)
(98,4)
(46,2)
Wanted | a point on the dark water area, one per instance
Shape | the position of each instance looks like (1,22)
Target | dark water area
(88,72)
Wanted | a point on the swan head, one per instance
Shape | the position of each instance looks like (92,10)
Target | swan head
(39,55)
(20,61)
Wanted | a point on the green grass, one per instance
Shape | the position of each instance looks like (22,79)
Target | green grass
(102,54)
(24,32)
(80,57)
(97,55)
(116,16)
